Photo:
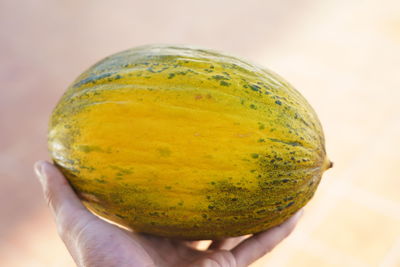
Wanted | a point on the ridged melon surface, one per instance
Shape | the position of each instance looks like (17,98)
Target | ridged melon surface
(187,143)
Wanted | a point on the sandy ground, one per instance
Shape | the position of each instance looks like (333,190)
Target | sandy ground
(344,56)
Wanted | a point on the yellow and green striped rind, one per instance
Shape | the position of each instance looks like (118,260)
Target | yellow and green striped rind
(187,143)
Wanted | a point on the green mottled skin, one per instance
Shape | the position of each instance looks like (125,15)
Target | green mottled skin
(187,143)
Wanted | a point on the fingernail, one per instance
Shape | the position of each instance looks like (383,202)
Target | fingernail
(298,215)
(39,166)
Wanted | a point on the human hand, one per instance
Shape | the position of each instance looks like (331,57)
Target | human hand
(94,242)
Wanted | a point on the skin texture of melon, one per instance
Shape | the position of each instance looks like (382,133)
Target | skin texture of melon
(187,143)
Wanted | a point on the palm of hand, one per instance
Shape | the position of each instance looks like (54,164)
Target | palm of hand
(102,244)
(95,242)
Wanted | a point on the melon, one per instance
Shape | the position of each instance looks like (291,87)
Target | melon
(187,143)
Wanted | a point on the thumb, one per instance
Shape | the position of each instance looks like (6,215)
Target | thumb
(67,209)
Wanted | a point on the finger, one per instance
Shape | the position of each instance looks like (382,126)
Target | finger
(62,200)
(258,245)
(227,243)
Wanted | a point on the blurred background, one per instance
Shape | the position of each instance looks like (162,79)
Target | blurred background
(344,56)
